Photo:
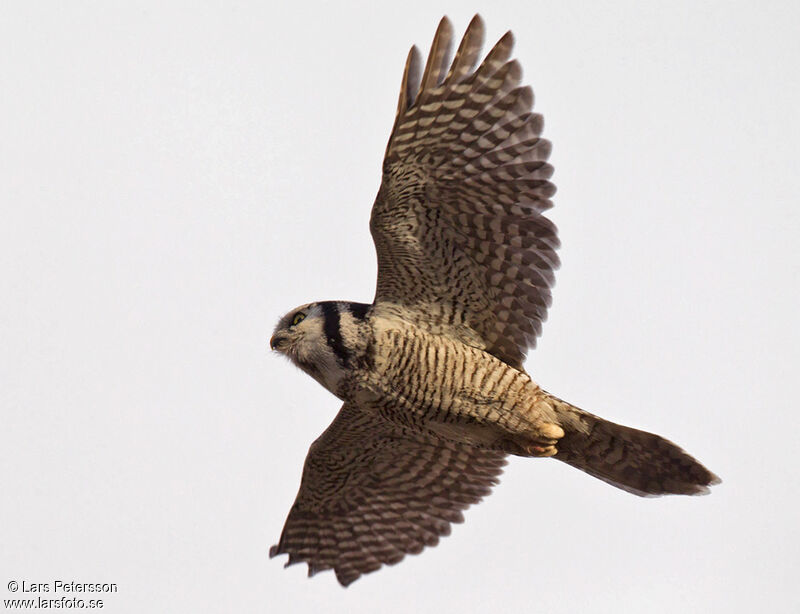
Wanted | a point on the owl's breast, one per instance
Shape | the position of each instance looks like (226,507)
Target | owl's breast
(431,382)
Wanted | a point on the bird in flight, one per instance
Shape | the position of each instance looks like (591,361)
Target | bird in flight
(430,374)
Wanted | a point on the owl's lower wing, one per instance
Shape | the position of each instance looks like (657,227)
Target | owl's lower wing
(458,223)
(373,492)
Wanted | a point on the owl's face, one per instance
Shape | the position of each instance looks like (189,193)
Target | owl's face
(300,336)
(323,339)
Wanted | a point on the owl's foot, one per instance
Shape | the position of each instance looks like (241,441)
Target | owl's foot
(545,438)
(542,451)
(548,430)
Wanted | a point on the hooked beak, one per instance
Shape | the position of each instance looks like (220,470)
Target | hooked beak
(277,341)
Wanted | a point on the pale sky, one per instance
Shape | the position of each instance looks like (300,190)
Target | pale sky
(175,178)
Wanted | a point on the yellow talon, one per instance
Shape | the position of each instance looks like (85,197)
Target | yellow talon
(551,431)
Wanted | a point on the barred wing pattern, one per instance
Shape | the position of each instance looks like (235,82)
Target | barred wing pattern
(373,492)
(458,226)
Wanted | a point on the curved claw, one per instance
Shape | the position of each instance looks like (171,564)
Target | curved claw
(542,451)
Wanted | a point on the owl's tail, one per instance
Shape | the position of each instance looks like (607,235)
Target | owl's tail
(641,463)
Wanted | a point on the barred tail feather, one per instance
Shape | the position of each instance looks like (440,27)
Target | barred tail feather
(639,462)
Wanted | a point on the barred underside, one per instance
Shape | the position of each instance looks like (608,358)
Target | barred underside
(458,224)
(436,384)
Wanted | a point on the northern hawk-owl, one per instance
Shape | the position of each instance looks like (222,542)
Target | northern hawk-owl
(435,394)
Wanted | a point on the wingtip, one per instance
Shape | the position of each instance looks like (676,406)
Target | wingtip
(346,579)
(409,87)
(476,22)
(444,24)
(444,33)
(507,40)
(415,56)
(438,56)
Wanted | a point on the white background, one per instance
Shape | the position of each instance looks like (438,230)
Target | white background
(174,178)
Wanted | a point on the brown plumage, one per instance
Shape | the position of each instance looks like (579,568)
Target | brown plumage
(399,494)
(467,169)
(431,374)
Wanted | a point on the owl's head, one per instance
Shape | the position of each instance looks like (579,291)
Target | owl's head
(324,339)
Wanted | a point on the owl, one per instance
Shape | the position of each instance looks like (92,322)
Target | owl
(430,374)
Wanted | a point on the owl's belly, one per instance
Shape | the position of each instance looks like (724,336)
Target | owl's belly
(430,382)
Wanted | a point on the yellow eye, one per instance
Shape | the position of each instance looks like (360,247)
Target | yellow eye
(298,317)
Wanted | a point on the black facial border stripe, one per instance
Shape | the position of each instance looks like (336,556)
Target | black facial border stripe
(333,331)
(359,310)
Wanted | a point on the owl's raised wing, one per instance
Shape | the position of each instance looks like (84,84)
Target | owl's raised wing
(458,224)
(373,492)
